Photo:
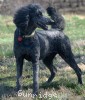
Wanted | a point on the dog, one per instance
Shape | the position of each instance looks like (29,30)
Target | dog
(59,22)
(39,45)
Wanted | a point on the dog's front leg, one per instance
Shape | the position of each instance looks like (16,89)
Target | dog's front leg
(35,78)
(19,65)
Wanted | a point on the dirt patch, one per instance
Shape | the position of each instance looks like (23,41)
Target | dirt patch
(80,43)
(81,65)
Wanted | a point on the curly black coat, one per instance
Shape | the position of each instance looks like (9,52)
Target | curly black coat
(59,22)
(42,45)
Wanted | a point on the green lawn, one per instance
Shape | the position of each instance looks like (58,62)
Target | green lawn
(65,83)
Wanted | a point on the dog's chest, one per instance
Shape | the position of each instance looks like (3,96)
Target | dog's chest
(26,46)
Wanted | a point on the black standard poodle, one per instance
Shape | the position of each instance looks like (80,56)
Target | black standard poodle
(41,44)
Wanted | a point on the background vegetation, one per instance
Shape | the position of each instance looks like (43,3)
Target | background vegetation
(10,6)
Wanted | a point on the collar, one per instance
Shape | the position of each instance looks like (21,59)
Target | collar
(20,38)
(28,36)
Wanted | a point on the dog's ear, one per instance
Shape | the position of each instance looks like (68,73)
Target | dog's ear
(27,19)
(21,20)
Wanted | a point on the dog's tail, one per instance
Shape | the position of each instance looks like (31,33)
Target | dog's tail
(59,22)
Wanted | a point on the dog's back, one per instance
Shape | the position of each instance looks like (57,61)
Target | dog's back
(51,33)
(48,41)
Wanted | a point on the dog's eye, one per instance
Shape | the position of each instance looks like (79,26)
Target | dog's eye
(39,14)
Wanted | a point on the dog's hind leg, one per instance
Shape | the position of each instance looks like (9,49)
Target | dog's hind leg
(66,53)
(48,61)
(19,64)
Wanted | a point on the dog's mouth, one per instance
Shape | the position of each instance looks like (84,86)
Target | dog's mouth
(42,25)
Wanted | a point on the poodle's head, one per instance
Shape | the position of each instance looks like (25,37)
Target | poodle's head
(30,16)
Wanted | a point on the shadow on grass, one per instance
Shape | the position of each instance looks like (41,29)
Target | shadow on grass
(70,84)
(7,91)
(50,85)
(8,78)
(55,84)
(58,84)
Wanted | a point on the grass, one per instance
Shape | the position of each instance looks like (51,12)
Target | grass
(64,85)
(6,36)
(75,28)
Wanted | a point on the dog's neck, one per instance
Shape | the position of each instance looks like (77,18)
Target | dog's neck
(28,32)
(23,35)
